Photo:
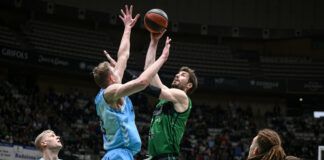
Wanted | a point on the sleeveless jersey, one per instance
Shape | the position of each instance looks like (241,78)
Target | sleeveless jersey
(167,128)
(118,126)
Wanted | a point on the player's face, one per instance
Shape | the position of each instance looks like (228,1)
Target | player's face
(253,151)
(181,80)
(52,141)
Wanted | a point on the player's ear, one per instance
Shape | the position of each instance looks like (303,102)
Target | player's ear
(189,85)
(43,144)
(111,79)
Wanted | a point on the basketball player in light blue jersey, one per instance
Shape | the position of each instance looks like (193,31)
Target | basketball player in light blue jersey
(114,108)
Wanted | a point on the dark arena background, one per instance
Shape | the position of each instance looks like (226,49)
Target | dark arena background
(260,64)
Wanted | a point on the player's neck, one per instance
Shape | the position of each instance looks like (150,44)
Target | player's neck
(50,155)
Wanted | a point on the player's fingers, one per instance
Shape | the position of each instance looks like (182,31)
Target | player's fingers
(126,8)
(112,61)
(168,40)
(122,12)
(162,33)
(135,20)
(121,17)
(136,17)
(131,10)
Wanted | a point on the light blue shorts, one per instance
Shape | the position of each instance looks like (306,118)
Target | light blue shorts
(118,154)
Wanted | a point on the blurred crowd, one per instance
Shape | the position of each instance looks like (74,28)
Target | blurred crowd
(212,132)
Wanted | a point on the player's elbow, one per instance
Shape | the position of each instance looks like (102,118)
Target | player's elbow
(143,83)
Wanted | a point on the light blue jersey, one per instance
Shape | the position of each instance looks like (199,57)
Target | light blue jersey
(118,126)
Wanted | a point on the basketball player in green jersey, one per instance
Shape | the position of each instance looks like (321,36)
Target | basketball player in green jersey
(171,113)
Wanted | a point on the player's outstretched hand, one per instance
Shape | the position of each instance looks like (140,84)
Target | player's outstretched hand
(127,18)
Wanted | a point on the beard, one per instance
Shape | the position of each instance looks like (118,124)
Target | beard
(178,85)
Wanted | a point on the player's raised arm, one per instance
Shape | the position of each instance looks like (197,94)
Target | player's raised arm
(150,57)
(124,47)
(117,91)
(151,51)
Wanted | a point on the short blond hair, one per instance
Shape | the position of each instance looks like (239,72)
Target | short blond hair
(101,74)
(39,139)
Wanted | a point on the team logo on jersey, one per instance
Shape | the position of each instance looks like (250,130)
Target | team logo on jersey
(158,111)
(158,120)
(151,133)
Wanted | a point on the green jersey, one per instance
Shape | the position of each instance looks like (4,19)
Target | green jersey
(167,128)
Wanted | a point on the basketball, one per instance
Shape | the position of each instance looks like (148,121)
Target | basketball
(156,20)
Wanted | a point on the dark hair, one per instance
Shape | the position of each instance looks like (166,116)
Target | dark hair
(192,78)
(101,74)
(269,145)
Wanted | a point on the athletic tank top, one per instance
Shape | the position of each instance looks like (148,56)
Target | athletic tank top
(118,126)
(167,128)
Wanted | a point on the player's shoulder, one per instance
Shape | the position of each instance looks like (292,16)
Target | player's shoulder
(99,95)
(110,91)
(178,92)
(112,87)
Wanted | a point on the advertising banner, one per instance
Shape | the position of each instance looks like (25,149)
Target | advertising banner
(17,152)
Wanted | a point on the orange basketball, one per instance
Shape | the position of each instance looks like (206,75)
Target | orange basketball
(156,20)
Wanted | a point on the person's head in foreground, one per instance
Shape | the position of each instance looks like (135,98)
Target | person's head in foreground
(266,146)
(49,144)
